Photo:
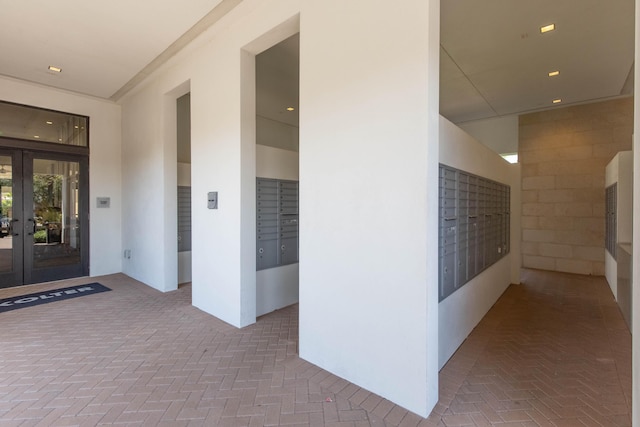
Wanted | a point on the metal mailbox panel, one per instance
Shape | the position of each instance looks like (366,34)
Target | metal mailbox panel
(447,269)
(276,222)
(267,254)
(289,250)
(474,226)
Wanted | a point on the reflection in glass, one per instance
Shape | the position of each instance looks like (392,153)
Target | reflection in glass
(6,200)
(56,221)
(37,124)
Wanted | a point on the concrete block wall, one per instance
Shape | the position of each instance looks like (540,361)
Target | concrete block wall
(563,155)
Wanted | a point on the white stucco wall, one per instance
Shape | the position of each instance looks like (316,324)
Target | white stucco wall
(368,173)
(368,186)
(620,171)
(105,248)
(460,312)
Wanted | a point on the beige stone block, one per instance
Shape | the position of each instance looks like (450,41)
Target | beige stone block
(574,181)
(598,268)
(599,210)
(540,236)
(589,253)
(573,266)
(556,196)
(578,237)
(578,152)
(590,225)
(531,222)
(568,167)
(556,223)
(608,151)
(623,135)
(537,156)
(592,137)
(538,182)
(530,248)
(539,262)
(599,181)
(589,195)
(527,170)
(529,196)
(538,209)
(577,123)
(574,209)
(557,153)
(555,250)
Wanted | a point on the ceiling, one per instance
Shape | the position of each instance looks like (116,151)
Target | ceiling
(494,60)
(101,46)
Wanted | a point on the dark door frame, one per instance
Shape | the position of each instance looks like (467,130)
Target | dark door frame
(22,223)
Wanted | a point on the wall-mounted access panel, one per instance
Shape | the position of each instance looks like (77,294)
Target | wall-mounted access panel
(276,222)
(474,225)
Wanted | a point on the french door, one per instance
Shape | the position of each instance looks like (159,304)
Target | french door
(44,217)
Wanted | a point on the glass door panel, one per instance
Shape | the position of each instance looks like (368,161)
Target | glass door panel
(56,211)
(11,244)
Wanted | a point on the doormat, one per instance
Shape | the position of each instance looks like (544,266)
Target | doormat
(29,300)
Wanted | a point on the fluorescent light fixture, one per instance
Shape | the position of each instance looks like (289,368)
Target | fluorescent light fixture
(547,28)
(55,69)
(557,101)
(510,157)
(290,108)
(554,73)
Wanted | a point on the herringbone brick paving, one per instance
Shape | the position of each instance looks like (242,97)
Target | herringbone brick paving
(551,352)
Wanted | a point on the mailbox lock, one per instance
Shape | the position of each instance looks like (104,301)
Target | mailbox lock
(261,250)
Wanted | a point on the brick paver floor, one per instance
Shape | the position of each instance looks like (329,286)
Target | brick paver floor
(553,351)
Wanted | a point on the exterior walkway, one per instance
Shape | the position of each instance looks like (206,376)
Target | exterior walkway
(553,351)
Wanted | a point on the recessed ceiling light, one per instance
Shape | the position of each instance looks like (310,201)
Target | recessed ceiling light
(557,101)
(76,127)
(55,69)
(290,108)
(547,28)
(49,122)
(554,73)
(36,136)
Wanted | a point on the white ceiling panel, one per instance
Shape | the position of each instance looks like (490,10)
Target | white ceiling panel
(100,46)
(494,62)
(498,47)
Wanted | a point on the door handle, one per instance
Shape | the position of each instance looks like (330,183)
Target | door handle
(12,228)
(33,228)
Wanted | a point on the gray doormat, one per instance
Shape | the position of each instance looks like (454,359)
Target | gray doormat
(29,300)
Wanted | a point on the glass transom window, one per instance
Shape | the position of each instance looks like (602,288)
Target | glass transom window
(36,124)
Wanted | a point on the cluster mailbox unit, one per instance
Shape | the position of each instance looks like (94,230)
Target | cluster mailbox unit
(611,224)
(276,222)
(473,226)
